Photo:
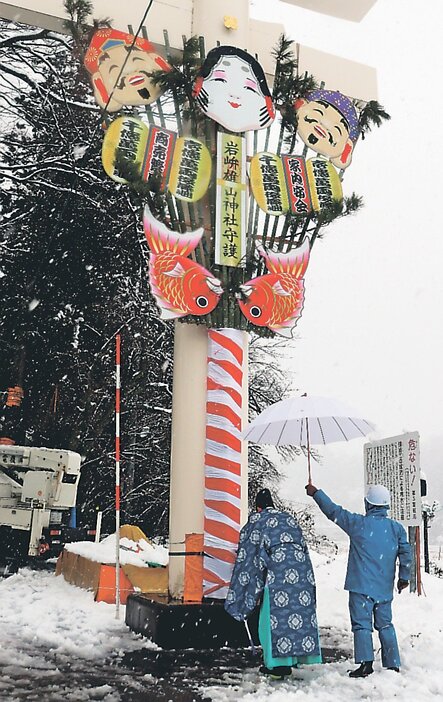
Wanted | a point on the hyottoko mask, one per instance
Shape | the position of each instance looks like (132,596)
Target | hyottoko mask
(328,124)
(114,87)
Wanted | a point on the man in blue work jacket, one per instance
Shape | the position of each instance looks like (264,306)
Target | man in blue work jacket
(375,544)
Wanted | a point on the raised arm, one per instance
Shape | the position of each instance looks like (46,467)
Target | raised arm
(344,519)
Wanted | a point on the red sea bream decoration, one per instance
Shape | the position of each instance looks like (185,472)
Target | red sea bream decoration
(275,300)
(179,285)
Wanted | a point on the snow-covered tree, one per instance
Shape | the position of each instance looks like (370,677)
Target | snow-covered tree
(74,272)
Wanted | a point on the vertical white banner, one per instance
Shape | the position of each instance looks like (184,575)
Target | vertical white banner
(231,200)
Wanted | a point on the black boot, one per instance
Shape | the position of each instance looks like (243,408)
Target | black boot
(362,671)
(277,673)
(397,670)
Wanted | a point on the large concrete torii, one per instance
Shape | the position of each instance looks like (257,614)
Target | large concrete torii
(212,20)
(229,23)
(49,13)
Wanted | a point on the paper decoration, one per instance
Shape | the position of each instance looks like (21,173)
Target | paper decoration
(297,184)
(231,203)
(121,68)
(180,286)
(126,136)
(275,300)
(328,124)
(324,183)
(291,183)
(223,457)
(191,170)
(183,164)
(231,89)
(268,183)
(157,160)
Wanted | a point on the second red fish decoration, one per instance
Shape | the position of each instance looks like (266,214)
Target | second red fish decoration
(275,300)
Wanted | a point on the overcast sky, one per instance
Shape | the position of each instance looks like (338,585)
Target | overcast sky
(372,330)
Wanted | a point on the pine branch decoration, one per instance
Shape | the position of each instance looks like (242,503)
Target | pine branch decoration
(286,67)
(373,114)
(339,208)
(78,12)
(145,191)
(180,80)
(289,86)
(81,28)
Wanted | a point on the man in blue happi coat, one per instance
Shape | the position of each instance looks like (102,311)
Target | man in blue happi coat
(376,542)
(273,567)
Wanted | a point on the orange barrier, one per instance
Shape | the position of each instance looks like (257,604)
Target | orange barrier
(100,578)
(106,585)
(193,578)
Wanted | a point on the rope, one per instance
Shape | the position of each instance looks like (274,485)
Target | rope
(105,109)
(140,26)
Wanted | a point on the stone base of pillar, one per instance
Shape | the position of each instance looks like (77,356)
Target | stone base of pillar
(173,625)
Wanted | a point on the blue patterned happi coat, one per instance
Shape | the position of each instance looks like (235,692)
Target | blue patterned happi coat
(273,552)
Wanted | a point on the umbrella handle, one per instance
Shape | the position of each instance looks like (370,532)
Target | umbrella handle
(309,453)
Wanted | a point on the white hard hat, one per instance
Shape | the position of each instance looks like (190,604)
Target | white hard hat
(378,495)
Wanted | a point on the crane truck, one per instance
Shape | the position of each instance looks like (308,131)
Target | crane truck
(38,489)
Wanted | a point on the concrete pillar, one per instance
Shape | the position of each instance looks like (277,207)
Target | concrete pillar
(190,354)
(188,444)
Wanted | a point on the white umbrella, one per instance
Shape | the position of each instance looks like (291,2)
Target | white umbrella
(302,421)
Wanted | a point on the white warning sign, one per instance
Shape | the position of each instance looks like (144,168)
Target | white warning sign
(395,463)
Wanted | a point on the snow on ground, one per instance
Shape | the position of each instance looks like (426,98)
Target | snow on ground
(39,608)
(50,630)
(47,627)
(419,626)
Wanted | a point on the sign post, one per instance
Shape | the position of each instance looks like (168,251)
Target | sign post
(395,463)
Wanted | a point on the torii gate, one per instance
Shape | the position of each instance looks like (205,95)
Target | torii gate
(213,21)
(230,24)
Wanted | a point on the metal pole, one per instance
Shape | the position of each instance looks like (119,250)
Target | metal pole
(413,577)
(117,476)
(426,540)
(309,453)
(417,547)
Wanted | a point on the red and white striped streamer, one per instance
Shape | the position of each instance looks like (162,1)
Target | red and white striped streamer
(117,475)
(222,458)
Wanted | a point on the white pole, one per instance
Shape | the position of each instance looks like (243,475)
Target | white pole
(117,476)
(98,527)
